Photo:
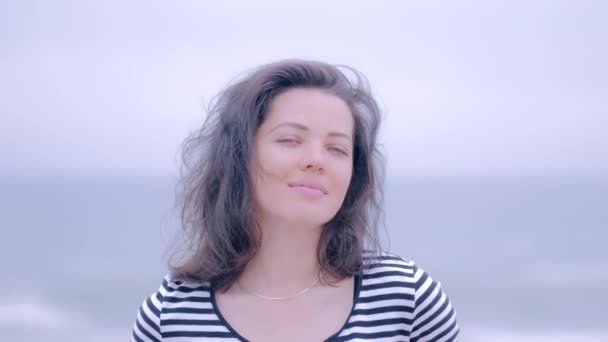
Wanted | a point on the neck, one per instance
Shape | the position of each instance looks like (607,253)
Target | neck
(286,261)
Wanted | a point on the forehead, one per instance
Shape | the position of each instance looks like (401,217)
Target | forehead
(315,108)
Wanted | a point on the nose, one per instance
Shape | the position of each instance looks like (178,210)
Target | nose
(314,160)
(314,167)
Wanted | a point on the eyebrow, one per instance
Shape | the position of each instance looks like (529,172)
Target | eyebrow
(304,128)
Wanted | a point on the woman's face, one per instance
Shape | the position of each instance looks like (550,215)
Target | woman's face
(303,156)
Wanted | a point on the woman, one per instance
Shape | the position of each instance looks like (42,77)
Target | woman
(281,204)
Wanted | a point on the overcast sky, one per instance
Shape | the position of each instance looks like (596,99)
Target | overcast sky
(469,88)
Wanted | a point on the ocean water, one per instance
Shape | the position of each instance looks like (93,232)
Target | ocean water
(521,259)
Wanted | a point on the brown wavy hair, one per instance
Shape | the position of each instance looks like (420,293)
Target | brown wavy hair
(215,192)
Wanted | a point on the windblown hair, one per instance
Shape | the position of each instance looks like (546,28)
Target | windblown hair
(215,193)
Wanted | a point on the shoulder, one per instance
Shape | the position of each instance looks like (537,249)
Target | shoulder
(392,282)
(173,298)
(386,265)
(173,290)
(178,290)
(388,280)
(387,270)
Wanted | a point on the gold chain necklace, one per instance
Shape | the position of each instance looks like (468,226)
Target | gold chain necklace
(277,298)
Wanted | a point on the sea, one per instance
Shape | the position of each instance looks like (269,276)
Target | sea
(522,259)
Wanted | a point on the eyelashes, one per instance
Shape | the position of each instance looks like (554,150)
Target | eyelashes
(294,142)
(288,141)
(338,150)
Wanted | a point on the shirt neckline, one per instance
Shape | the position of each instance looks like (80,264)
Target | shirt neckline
(356,292)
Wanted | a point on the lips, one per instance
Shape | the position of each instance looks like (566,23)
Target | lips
(309,187)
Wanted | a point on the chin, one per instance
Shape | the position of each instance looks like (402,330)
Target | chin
(300,214)
(310,217)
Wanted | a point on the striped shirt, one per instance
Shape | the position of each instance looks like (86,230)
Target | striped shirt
(394,300)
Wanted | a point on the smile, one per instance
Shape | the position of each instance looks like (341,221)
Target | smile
(310,190)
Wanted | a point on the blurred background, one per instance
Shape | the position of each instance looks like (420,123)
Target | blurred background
(496,121)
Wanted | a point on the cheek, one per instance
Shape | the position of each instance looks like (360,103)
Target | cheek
(272,167)
(270,174)
(342,181)
(344,175)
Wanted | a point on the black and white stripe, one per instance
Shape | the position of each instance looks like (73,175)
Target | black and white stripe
(394,301)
